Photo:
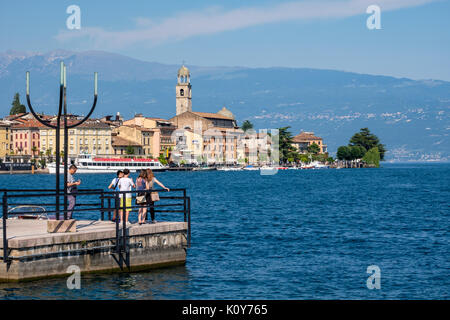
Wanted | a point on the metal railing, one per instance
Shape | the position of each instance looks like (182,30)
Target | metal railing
(94,203)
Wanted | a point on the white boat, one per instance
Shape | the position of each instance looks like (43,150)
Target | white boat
(89,164)
(229,169)
(250,168)
(318,165)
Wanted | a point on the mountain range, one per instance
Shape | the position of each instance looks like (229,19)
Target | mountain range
(411,117)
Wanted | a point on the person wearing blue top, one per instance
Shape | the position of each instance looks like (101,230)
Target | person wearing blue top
(114,185)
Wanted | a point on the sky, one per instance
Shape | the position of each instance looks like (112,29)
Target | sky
(413,42)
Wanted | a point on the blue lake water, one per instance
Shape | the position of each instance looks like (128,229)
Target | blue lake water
(300,234)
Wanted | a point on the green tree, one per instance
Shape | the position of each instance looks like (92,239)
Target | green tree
(247,125)
(357,152)
(304,158)
(367,140)
(162,159)
(17,107)
(129,150)
(314,148)
(286,148)
(343,153)
(372,157)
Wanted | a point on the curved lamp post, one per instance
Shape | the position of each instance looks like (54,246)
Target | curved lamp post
(62,109)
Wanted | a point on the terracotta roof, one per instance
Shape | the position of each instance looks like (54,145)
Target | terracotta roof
(122,142)
(305,137)
(27,124)
(212,115)
(157,119)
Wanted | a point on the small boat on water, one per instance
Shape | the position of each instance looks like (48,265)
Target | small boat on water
(204,169)
(250,168)
(90,164)
(229,169)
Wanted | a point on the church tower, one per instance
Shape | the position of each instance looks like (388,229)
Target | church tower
(183,91)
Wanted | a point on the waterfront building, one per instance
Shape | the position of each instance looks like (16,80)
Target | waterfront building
(121,145)
(154,134)
(219,131)
(5,138)
(304,139)
(25,135)
(91,137)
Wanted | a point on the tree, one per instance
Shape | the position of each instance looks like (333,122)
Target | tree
(372,157)
(343,153)
(162,159)
(17,107)
(367,140)
(247,125)
(357,152)
(314,148)
(129,150)
(285,145)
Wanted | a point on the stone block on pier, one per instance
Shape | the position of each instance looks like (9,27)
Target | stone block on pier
(56,226)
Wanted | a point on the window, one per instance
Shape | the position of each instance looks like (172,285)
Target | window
(182,92)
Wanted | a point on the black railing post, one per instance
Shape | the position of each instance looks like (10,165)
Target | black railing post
(5,216)
(66,149)
(102,206)
(184,204)
(189,221)
(109,207)
(124,228)
(117,208)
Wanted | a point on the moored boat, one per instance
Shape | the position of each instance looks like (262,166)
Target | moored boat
(89,164)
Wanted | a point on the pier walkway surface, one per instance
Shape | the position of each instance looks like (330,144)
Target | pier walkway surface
(96,246)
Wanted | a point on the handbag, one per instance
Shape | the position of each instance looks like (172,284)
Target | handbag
(141,199)
(154,196)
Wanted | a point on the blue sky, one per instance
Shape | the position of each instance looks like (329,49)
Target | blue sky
(414,41)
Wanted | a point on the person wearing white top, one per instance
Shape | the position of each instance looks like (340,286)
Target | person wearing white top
(125,184)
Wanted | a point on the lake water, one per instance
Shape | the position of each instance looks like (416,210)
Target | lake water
(300,234)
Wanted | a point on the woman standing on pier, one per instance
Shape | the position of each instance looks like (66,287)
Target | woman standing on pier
(141,197)
(153,196)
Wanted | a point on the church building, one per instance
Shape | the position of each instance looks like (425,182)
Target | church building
(219,130)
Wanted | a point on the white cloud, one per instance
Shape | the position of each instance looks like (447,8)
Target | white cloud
(214,20)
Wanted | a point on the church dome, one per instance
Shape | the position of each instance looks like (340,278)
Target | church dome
(225,112)
(183,71)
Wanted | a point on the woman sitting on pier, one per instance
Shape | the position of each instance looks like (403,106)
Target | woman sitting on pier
(152,196)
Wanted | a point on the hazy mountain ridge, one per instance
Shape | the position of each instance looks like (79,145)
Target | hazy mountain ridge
(411,117)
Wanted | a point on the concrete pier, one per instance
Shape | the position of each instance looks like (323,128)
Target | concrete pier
(34,253)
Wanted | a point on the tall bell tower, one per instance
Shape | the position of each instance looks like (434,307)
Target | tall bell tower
(183,91)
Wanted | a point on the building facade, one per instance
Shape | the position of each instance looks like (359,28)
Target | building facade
(5,139)
(92,137)
(26,137)
(304,139)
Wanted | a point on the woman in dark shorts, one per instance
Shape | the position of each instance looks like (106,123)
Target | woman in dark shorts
(150,182)
(141,186)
